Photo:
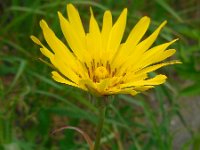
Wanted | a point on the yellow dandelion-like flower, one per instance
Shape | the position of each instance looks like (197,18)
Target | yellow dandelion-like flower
(98,62)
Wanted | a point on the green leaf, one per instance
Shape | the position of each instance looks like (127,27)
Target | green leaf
(163,4)
(192,90)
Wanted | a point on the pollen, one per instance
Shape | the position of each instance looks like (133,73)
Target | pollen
(100,73)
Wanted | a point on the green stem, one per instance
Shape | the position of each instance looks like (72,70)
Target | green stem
(102,109)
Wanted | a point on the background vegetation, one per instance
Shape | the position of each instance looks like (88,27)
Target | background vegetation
(32,105)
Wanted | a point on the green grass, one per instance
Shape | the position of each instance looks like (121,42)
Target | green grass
(32,104)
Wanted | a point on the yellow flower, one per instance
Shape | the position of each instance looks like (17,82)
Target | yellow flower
(97,61)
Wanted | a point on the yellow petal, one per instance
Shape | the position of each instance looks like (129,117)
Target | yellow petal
(107,26)
(123,91)
(141,48)
(94,27)
(95,38)
(157,66)
(64,68)
(105,33)
(36,40)
(151,56)
(116,34)
(90,86)
(76,43)
(159,79)
(57,77)
(157,50)
(165,55)
(142,73)
(56,45)
(144,45)
(137,33)
(56,59)
(130,77)
(47,53)
(143,88)
(134,37)
(44,50)
(75,20)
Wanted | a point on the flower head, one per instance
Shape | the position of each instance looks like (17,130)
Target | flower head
(97,61)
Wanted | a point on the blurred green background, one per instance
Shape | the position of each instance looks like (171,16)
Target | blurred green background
(32,105)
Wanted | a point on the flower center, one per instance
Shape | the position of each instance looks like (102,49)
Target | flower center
(100,72)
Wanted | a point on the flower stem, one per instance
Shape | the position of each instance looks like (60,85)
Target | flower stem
(102,109)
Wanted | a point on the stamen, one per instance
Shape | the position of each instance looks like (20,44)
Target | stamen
(108,67)
(114,72)
(88,70)
(98,64)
